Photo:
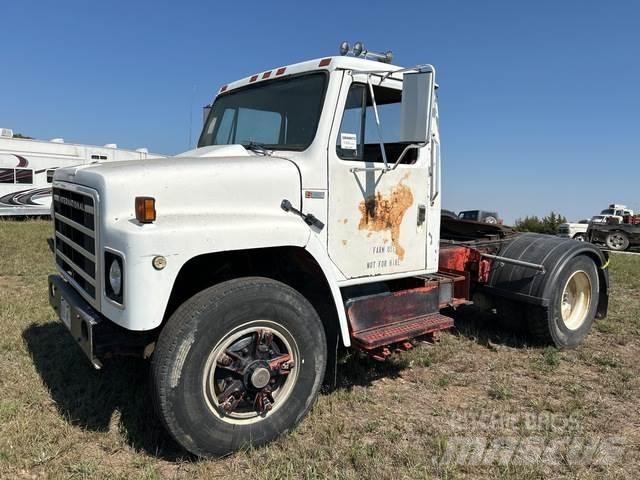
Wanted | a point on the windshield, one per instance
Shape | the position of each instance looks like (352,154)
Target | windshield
(280,114)
(609,211)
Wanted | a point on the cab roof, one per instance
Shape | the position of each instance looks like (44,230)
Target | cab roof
(318,64)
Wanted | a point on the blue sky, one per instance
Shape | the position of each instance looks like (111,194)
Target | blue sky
(539,100)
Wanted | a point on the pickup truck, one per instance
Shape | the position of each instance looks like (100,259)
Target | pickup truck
(576,231)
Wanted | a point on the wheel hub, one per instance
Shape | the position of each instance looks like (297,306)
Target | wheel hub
(260,377)
(249,374)
(576,300)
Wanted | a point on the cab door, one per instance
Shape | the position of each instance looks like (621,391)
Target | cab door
(377,218)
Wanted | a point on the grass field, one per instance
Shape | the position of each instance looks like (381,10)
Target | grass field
(401,419)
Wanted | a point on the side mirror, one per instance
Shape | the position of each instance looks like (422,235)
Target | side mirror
(417,101)
(205,113)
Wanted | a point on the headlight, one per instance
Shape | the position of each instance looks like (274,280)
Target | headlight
(114,277)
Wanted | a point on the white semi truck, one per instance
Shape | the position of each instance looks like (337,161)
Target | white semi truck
(308,218)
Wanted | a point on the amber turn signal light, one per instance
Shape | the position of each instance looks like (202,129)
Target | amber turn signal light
(145,209)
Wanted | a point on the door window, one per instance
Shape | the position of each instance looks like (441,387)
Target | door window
(358,138)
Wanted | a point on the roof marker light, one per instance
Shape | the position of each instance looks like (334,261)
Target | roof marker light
(253,78)
(281,70)
(324,62)
(266,74)
(223,88)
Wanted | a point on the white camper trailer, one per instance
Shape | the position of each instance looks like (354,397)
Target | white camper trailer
(27,166)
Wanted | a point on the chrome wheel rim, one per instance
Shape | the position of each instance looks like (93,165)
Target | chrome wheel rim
(251,372)
(576,300)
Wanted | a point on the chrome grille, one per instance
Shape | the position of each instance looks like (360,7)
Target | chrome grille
(75,239)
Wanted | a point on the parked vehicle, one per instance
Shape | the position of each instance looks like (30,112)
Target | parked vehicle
(307,218)
(27,166)
(615,212)
(618,236)
(480,216)
(576,231)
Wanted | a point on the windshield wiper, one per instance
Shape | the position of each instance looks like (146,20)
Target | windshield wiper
(259,148)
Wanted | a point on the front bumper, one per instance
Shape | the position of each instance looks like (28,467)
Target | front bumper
(97,336)
(76,314)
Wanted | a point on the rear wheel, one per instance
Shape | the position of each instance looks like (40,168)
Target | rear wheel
(572,308)
(237,365)
(617,241)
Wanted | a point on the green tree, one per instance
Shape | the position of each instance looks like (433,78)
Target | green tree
(529,224)
(20,135)
(548,224)
(552,221)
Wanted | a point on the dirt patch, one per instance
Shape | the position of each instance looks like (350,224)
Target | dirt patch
(385,212)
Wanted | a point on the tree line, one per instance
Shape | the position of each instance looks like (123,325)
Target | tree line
(548,224)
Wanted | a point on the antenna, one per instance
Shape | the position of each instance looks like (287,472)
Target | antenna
(359,51)
(193,94)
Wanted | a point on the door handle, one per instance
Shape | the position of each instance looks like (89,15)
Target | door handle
(422,214)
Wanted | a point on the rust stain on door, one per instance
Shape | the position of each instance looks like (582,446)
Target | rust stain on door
(385,212)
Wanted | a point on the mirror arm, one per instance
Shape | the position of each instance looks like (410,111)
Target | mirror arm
(375,111)
(388,168)
(404,152)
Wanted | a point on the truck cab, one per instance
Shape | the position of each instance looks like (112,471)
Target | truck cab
(616,212)
(307,219)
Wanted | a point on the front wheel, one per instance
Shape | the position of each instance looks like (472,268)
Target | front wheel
(237,365)
(572,308)
(617,241)
(580,237)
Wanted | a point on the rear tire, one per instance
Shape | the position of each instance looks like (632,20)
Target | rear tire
(573,306)
(618,241)
(238,364)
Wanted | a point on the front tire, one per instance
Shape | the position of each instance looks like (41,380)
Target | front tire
(573,305)
(237,365)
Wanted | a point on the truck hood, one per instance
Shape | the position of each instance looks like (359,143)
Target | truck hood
(220,179)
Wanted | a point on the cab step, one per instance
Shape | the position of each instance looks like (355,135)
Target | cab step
(386,321)
(401,331)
